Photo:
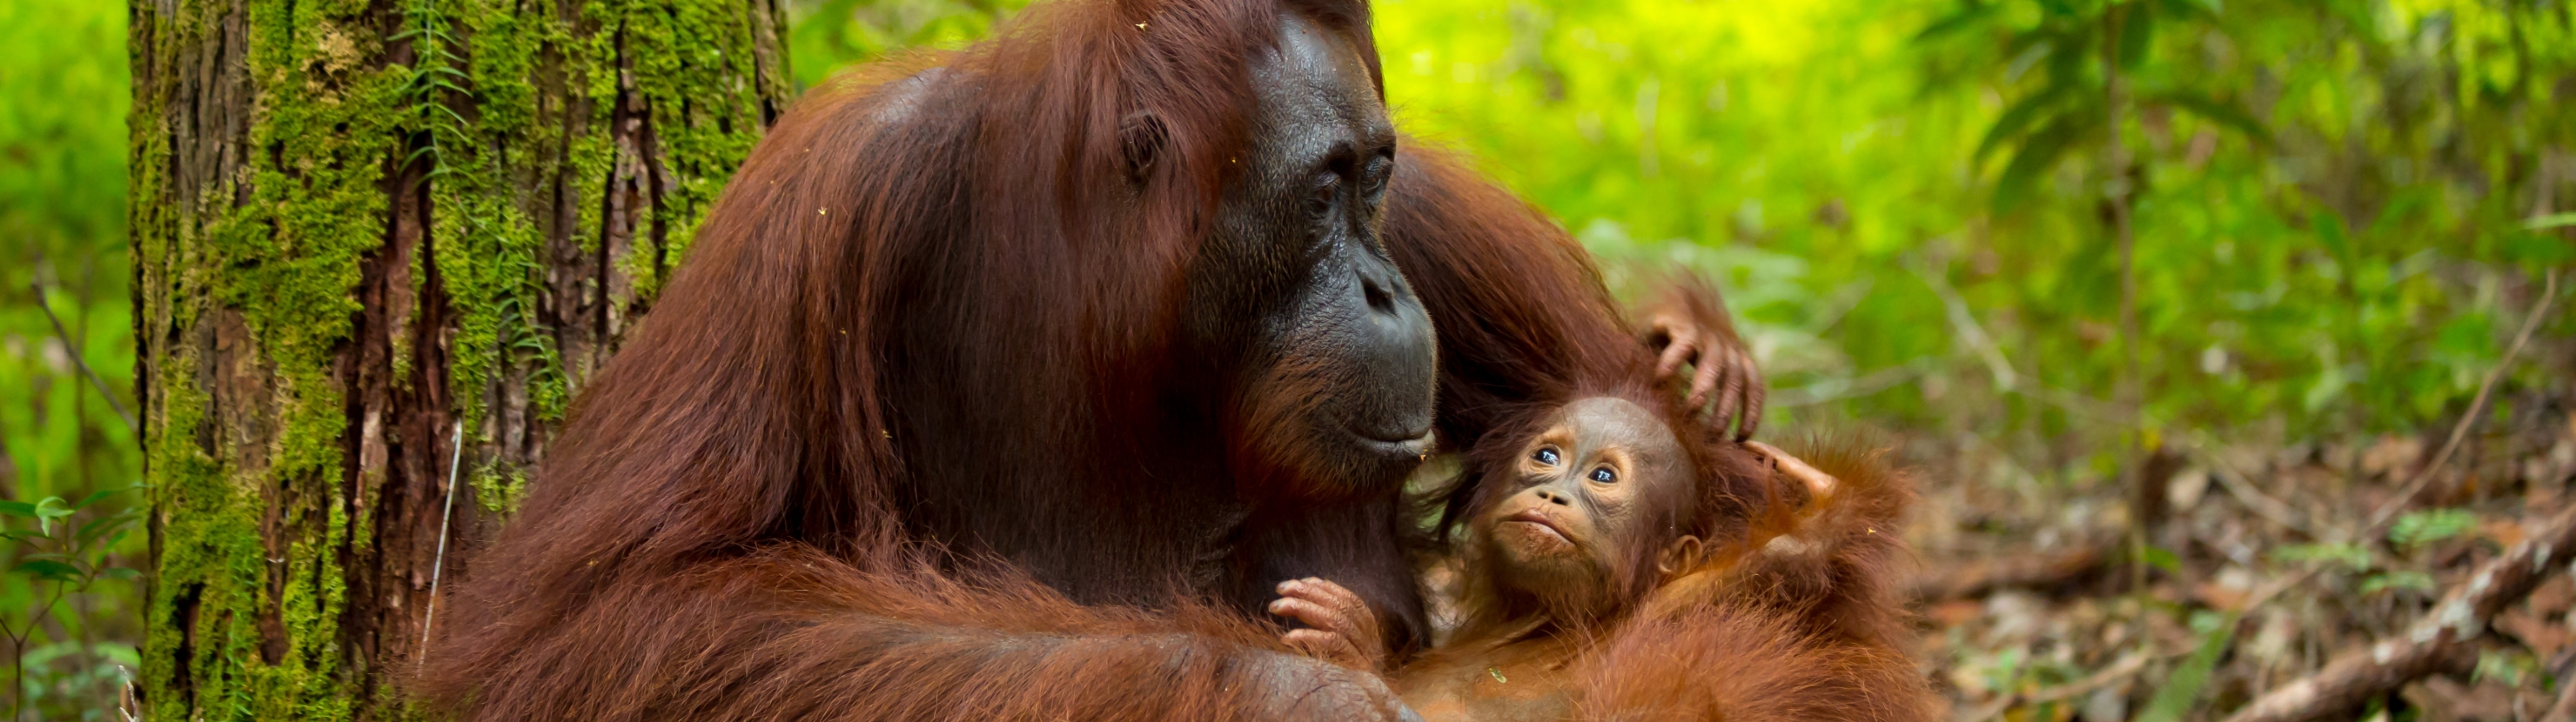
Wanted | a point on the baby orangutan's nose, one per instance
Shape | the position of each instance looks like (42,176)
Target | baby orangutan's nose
(1554,497)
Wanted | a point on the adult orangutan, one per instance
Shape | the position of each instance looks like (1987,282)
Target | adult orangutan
(1002,383)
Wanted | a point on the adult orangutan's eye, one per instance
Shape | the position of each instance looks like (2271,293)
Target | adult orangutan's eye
(1320,202)
(1544,455)
(1605,475)
(1379,169)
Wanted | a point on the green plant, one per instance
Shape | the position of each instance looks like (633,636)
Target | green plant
(70,557)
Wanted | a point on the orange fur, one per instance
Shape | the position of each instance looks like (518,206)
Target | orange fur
(1790,616)
(1798,620)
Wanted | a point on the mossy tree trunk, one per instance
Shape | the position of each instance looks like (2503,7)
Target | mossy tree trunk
(356,226)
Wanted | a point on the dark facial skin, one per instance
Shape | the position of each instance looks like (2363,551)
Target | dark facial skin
(1341,338)
(1602,484)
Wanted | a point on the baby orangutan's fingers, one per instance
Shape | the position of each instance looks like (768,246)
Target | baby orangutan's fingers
(1312,614)
(1331,647)
(1817,482)
(1334,610)
(1754,395)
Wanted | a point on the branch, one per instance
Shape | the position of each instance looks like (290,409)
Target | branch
(74,351)
(2018,571)
(2006,379)
(2235,483)
(2441,641)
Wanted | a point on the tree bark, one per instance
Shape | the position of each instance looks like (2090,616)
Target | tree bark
(357,225)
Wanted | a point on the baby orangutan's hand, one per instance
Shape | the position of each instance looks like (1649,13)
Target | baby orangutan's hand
(1343,630)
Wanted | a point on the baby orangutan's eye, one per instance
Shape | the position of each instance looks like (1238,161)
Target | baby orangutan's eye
(1605,475)
(1544,455)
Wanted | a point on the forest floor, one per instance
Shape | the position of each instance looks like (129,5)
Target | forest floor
(2265,566)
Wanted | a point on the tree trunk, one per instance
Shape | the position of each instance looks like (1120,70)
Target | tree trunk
(357,225)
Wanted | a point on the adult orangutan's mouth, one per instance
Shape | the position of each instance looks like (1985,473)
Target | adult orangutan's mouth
(1416,446)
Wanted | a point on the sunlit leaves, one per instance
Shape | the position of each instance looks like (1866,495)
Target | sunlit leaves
(2416,529)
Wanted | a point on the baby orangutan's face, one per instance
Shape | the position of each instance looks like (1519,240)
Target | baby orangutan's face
(1599,491)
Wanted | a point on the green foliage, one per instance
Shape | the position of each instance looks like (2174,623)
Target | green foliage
(831,34)
(2412,581)
(2182,689)
(2419,528)
(63,558)
(63,78)
(2353,557)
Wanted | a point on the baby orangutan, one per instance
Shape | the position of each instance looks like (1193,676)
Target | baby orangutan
(1616,567)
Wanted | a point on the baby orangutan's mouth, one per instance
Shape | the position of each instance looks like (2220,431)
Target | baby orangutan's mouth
(1534,517)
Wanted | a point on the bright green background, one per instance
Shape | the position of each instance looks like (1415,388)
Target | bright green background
(2335,206)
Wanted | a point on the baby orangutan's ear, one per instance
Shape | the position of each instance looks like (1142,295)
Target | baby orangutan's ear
(1678,557)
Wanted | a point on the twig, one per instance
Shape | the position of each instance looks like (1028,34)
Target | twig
(1837,389)
(2005,378)
(2380,519)
(74,351)
(2237,486)
(2017,571)
(455,459)
(2435,643)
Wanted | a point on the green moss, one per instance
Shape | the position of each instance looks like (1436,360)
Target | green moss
(498,491)
(284,259)
(329,117)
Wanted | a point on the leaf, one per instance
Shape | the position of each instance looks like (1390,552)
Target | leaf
(2182,689)
(2537,249)
(2161,558)
(2137,34)
(2205,9)
(120,573)
(46,511)
(1955,22)
(2554,220)
(2329,229)
(2377,583)
(18,508)
(2425,527)
(48,570)
(2038,155)
(2018,118)
(2355,556)
(2223,112)
(102,525)
(95,496)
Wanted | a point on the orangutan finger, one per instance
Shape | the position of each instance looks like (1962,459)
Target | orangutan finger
(1341,599)
(1754,395)
(1713,375)
(1817,481)
(1312,614)
(1737,379)
(1684,348)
